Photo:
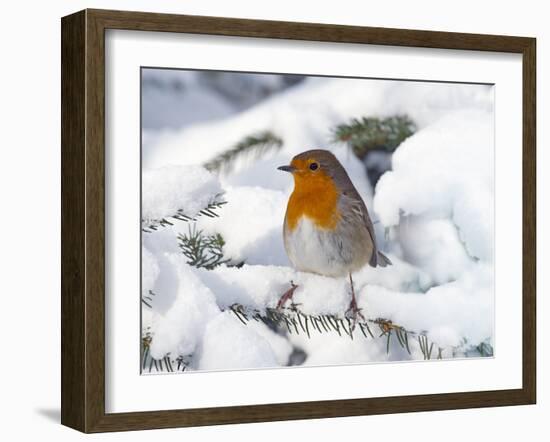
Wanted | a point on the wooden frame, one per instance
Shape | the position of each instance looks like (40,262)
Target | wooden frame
(83,216)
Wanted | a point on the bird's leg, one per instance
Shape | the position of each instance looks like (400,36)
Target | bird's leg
(287,295)
(354,310)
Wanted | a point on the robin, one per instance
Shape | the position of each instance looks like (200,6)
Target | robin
(327,227)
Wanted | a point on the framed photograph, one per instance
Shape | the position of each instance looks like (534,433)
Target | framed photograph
(269,220)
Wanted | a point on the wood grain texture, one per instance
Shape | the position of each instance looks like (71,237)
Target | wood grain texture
(73,128)
(144,21)
(83,220)
(529,220)
(95,221)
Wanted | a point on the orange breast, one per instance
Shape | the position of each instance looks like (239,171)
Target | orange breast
(315,197)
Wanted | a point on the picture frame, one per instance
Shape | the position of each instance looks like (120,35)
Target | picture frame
(84,230)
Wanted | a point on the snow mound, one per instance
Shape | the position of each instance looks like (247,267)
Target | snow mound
(181,328)
(251,225)
(200,322)
(149,270)
(229,345)
(440,194)
(171,188)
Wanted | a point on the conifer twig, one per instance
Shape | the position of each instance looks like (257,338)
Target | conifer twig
(255,145)
(202,251)
(150,225)
(165,364)
(147,299)
(293,321)
(370,133)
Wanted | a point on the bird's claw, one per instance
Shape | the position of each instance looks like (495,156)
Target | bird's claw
(287,296)
(294,305)
(354,313)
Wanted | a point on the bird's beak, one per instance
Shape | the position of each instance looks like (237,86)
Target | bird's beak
(286,168)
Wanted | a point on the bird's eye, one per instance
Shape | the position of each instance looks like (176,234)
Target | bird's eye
(313,166)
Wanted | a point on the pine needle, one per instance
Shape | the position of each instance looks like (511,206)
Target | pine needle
(366,134)
(202,251)
(251,147)
(151,225)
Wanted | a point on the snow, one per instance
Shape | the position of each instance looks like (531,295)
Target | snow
(250,223)
(439,194)
(433,217)
(171,188)
(182,327)
(149,271)
(228,341)
(174,98)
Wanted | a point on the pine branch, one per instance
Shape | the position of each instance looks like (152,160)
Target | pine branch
(367,134)
(255,145)
(150,225)
(291,320)
(485,349)
(202,251)
(167,364)
(147,299)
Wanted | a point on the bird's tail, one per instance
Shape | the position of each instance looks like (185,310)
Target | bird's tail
(382,260)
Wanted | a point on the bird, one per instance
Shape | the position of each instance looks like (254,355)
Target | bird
(327,228)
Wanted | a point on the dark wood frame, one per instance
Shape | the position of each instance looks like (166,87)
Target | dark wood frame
(83,217)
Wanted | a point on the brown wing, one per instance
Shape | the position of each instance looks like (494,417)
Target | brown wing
(358,206)
(339,174)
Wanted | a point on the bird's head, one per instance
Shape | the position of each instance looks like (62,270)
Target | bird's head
(313,169)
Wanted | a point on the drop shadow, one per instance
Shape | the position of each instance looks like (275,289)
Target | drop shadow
(51,414)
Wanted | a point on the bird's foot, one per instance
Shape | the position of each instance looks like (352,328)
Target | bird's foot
(294,306)
(287,296)
(354,313)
